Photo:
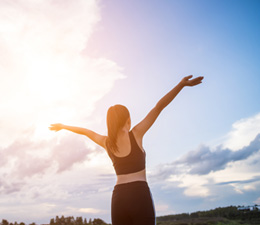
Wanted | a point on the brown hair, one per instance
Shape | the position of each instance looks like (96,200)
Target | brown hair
(117,116)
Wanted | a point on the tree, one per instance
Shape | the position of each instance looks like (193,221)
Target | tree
(79,221)
(52,222)
(5,222)
(98,222)
(57,220)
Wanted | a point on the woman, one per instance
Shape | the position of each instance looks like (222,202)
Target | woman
(132,202)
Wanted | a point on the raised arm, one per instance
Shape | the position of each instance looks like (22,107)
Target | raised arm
(97,138)
(141,128)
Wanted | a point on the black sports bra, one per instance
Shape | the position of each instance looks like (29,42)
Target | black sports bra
(133,162)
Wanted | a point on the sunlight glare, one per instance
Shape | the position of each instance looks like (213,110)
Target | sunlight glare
(48,80)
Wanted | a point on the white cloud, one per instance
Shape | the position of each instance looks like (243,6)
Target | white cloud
(162,209)
(45,76)
(201,172)
(194,185)
(90,210)
(242,133)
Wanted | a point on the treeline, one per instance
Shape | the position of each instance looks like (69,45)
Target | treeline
(78,221)
(219,216)
(64,221)
(226,215)
(5,222)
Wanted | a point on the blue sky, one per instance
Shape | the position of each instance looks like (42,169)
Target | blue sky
(159,43)
(69,61)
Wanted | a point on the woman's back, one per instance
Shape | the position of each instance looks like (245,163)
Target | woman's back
(123,144)
(129,159)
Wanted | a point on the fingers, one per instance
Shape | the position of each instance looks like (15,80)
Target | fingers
(196,81)
(188,77)
(187,81)
(201,77)
(53,127)
(192,82)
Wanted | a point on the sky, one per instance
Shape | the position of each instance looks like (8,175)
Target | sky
(68,61)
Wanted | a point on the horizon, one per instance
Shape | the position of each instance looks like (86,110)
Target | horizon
(88,219)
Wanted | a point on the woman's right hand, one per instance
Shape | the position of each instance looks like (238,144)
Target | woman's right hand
(56,127)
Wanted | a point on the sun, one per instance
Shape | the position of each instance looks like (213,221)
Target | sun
(48,79)
(49,87)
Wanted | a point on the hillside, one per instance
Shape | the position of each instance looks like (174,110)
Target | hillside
(227,215)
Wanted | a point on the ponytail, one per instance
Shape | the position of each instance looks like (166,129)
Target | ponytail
(117,116)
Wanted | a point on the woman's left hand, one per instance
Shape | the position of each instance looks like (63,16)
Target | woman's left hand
(187,81)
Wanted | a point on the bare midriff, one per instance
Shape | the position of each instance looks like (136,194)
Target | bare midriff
(131,177)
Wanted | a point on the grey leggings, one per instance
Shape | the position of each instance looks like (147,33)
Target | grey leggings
(132,204)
